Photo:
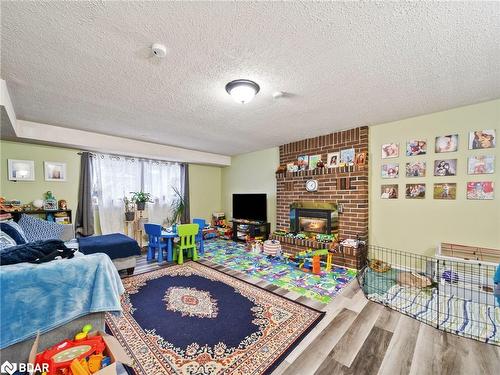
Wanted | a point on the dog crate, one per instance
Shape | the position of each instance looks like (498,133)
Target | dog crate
(455,296)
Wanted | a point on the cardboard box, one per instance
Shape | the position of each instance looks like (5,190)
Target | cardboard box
(113,350)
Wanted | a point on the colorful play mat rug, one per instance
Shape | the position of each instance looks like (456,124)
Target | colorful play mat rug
(192,319)
(235,256)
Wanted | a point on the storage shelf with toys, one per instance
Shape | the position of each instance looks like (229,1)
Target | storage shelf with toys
(48,209)
(242,229)
(58,216)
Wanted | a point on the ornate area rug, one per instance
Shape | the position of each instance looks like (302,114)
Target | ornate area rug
(192,319)
(322,288)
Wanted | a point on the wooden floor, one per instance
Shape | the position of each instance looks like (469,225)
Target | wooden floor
(361,337)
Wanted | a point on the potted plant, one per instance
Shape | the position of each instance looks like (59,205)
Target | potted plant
(140,199)
(178,206)
(129,209)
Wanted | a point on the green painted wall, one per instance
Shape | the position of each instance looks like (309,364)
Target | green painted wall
(27,191)
(252,173)
(204,191)
(420,225)
(205,181)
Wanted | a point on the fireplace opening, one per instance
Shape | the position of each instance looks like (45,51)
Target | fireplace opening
(314,225)
(314,218)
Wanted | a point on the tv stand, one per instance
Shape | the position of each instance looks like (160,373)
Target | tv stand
(250,228)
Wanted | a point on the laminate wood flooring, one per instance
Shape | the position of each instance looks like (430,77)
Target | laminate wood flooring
(360,337)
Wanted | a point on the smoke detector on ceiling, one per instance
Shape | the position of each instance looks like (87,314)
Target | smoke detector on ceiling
(159,50)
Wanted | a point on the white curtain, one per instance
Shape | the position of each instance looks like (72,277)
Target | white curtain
(115,177)
(160,179)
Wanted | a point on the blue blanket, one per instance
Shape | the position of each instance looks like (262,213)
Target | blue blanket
(41,297)
(115,245)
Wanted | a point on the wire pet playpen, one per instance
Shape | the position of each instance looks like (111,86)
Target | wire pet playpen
(452,295)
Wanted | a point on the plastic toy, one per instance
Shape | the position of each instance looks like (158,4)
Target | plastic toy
(62,355)
(329,260)
(309,261)
(95,362)
(79,367)
(85,330)
(326,238)
(450,277)
(81,356)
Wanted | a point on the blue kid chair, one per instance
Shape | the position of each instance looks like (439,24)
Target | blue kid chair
(199,236)
(155,241)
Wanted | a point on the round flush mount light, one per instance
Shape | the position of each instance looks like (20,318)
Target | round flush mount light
(242,90)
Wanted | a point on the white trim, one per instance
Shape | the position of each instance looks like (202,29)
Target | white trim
(90,141)
(7,104)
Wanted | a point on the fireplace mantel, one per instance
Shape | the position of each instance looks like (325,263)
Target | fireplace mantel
(314,205)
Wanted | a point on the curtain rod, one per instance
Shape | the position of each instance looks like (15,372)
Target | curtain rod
(130,157)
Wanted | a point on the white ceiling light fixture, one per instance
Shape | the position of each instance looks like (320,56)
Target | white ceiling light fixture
(242,90)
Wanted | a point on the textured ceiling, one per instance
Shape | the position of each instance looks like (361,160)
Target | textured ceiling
(87,65)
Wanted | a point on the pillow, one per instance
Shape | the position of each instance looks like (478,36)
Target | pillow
(14,230)
(6,241)
(37,229)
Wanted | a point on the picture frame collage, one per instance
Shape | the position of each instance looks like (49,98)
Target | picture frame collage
(445,166)
(342,158)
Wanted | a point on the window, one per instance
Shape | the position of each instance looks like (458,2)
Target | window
(115,177)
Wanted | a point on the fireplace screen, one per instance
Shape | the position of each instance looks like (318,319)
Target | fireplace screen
(314,225)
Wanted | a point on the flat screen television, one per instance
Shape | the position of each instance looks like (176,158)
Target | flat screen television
(250,207)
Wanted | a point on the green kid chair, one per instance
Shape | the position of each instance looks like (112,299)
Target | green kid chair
(187,236)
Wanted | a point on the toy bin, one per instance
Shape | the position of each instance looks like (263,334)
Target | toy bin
(112,349)
(272,247)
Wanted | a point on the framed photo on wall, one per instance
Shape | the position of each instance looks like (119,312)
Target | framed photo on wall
(481,164)
(347,157)
(55,171)
(390,150)
(292,167)
(21,170)
(446,167)
(313,161)
(480,190)
(447,143)
(333,160)
(416,147)
(389,191)
(415,191)
(480,139)
(445,191)
(416,169)
(303,162)
(390,170)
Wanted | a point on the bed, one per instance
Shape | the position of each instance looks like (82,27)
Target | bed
(54,298)
(120,248)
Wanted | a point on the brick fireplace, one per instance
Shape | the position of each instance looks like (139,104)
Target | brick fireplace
(344,189)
